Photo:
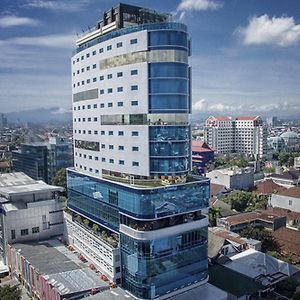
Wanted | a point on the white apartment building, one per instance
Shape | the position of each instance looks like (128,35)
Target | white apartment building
(243,134)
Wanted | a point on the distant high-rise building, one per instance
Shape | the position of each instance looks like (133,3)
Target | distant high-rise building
(3,121)
(273,121)
(131,105)
(242,135)
(41,161)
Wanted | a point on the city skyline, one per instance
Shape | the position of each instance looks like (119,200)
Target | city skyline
(245,55)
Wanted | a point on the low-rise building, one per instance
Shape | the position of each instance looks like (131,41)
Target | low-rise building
(288,199)
(29,210)
(233,178)
(288,179)
(49,271)
(232,243)
(261,267)
(297,162)
(269,219)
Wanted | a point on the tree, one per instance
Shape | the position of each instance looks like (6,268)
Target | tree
(246,201)
(60,179)
(86,222)
(213,214)
(296,295)
(268,243)
(8,292)
(95,228)
(78,219)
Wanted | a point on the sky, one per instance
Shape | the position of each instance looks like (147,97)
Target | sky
(245,53)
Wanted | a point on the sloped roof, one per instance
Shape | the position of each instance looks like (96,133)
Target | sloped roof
(222,118)
(268,187)
(266,215)
(215,244)
(216,188)
(255,263)
(289,240)
(288,175)
(246,118)
(291,192)
(200,146)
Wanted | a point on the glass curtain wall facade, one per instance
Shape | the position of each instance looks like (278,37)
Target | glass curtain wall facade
(132,149)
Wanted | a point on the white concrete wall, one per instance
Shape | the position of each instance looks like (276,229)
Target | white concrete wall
(106,258)
(93,128)
(32,217)
(286,202)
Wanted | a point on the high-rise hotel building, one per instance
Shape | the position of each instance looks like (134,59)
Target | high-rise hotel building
(132,149)
(241,135)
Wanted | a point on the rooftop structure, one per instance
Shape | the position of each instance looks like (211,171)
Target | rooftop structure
(233,178)
(131,85)
(287,179)
(259,266)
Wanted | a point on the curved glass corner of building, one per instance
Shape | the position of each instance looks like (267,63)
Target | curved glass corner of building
(153,268)
(102,199)
(169,150)
(178,27)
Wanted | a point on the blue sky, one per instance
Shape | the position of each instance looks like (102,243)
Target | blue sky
(246,53)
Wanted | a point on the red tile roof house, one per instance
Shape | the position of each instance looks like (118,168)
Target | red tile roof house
(269,218)
(268,187)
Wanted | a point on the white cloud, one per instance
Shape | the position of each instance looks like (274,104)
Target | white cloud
(58,5)
(282,31)
(203,105)
(11,21)
(61,110)
(188,5)
(53,41)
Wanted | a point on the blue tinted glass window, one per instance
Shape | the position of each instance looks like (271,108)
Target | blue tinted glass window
(179,86)
(169,148)
(168,38)
(168,70)
(166,103)
(133,41)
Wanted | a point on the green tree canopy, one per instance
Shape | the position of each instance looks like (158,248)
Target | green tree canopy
(60,179)
(268,243)
(8,292)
